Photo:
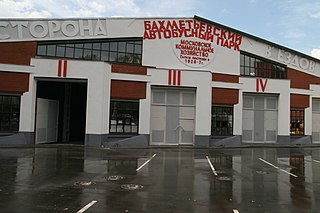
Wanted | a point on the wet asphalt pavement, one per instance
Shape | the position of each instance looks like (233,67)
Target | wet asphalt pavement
(78,179)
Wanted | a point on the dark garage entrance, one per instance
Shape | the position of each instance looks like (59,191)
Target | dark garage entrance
(61,111)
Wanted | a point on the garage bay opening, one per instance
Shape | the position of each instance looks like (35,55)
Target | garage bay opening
(61,112)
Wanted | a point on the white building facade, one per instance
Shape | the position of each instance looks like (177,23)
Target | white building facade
(139,82)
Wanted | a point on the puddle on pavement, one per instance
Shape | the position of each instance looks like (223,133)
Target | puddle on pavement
(236,175)
(84,183)
(131,187)
(114,178)
(122,166)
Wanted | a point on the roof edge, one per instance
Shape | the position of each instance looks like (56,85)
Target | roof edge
(92,18)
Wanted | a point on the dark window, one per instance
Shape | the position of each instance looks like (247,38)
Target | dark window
(96,46)
(78,53)
(124,117)
(9,113)
(51,50)
(60,50)
(42,50)
(297,121)
(124,51)
(254,66)
(70,52)
(221,121)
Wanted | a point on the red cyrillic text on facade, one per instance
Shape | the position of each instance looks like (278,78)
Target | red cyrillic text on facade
(165,29)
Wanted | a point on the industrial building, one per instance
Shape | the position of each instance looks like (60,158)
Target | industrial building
(140,82)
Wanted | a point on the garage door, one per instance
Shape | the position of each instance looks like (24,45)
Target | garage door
(260,118)
(316,120)
(172,116)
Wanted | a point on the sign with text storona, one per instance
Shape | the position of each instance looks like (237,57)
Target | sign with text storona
(49,29)
(193,42)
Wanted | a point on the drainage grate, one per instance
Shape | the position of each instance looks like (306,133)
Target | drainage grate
(131,187)
(84,183)
(224,178)
(114,178)
(260,172)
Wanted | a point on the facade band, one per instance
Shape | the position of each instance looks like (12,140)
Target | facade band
(140,82)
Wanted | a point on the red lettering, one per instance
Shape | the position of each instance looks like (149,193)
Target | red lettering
(182,24)
(189,24)
(161,25)
(202,36)
(226,44)
(169,77)
(263,85)
(196,25)
(238,39)
(172,25)
(237,47)
(65,68)
(146,35)
(187,33)
(220,41)
(154,26)
(260,83)
(231,36)
(216,31)
(167,33)
(223,34)
(209,28)
(181,32)
(202,26)
(59,68)
(231,44)
(167,29)
(159,33)
(194,32)
(175,33)
(147,25)
(210,37)
(152,34)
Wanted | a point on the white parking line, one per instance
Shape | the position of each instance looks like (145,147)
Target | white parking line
(276,167)
(235,211)
(145,163)
(212,168)
(316,161)
(87,206)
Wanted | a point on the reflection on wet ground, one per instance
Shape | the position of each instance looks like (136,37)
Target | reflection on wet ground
(65,179)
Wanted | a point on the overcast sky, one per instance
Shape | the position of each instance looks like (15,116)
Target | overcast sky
(291,23)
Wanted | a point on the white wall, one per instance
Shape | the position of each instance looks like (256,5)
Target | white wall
(237,115)
(291,59)
(273,86)
(28,106)
(98,99)
(160,53)
(144,114)
(97,75)
(201,81)
(314,93)
(308,119)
